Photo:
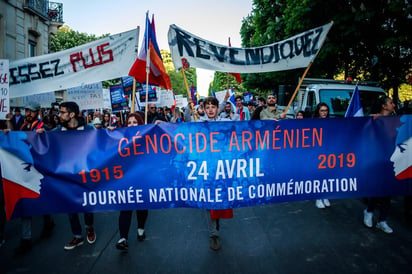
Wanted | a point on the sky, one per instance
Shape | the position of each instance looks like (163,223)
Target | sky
(213,20)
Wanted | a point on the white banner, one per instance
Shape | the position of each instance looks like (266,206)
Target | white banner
(107,104)
(181,101)
(88,96)
(44,99)
(104,59)
(220,95)
(295,52)
(4,89)
(167,98)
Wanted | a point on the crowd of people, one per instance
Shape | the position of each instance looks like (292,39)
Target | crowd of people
(67,116)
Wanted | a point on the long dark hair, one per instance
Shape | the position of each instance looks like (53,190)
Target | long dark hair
(378,103)
(316,113)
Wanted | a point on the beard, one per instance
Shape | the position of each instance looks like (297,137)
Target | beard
(64,123)
(272,104)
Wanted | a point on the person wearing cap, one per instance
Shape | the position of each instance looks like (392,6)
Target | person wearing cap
(97,123)
(32,122)
(17,119)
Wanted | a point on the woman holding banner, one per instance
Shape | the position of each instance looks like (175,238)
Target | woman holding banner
(322,111)
(125,217)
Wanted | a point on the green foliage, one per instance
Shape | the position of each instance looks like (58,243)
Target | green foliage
(66,38)
(223,80)
(369,40)
(176,78)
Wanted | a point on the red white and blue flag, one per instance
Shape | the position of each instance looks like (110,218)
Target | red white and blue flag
(355,107)
(150,53)
(193,94)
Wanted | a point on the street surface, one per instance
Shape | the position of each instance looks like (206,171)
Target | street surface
(280,238)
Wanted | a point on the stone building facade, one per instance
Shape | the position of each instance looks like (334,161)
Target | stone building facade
(26,27)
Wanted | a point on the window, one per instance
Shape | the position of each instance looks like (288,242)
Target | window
(32,44)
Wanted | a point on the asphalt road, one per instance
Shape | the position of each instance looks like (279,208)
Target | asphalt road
(280,238)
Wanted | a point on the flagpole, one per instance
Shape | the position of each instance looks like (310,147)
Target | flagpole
(227,74)
(227,83)
(134,79)
(188,93)
(133,94)
(303,77)
(297,88)
(147,70)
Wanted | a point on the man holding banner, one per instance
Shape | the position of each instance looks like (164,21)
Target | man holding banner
(32,123)
(69,120)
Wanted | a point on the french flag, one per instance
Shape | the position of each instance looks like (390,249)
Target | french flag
(157,73)
(355,107)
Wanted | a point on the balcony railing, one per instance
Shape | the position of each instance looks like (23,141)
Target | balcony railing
(39,7)
(50,11)
(55,12)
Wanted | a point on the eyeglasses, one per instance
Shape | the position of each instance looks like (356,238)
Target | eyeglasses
(152,107)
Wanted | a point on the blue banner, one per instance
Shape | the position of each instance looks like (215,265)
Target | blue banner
(117,97)
(208,165)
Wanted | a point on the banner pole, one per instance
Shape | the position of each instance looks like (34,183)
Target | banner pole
(134,79)
(297,88)
(133,94)
(147,70)
(188,93)
(303,76)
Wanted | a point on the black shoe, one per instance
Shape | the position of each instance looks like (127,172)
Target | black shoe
(24,247)
(141,238)
(214,243)
(122,244)
(47,229)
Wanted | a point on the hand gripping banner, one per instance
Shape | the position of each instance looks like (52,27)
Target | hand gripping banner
(205,165)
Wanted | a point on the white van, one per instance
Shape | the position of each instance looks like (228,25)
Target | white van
(335,94)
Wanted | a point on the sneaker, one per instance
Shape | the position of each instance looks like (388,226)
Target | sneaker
(74,243)
(384,227)
(326,202)
(47,229)
(141,235)
(91,235)
(24,247)
(319,204)
(122,244)
(214,243)
(367,218)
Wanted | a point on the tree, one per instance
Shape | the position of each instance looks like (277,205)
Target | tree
(176,78)
(370,39)
(67,38)
(222,81)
